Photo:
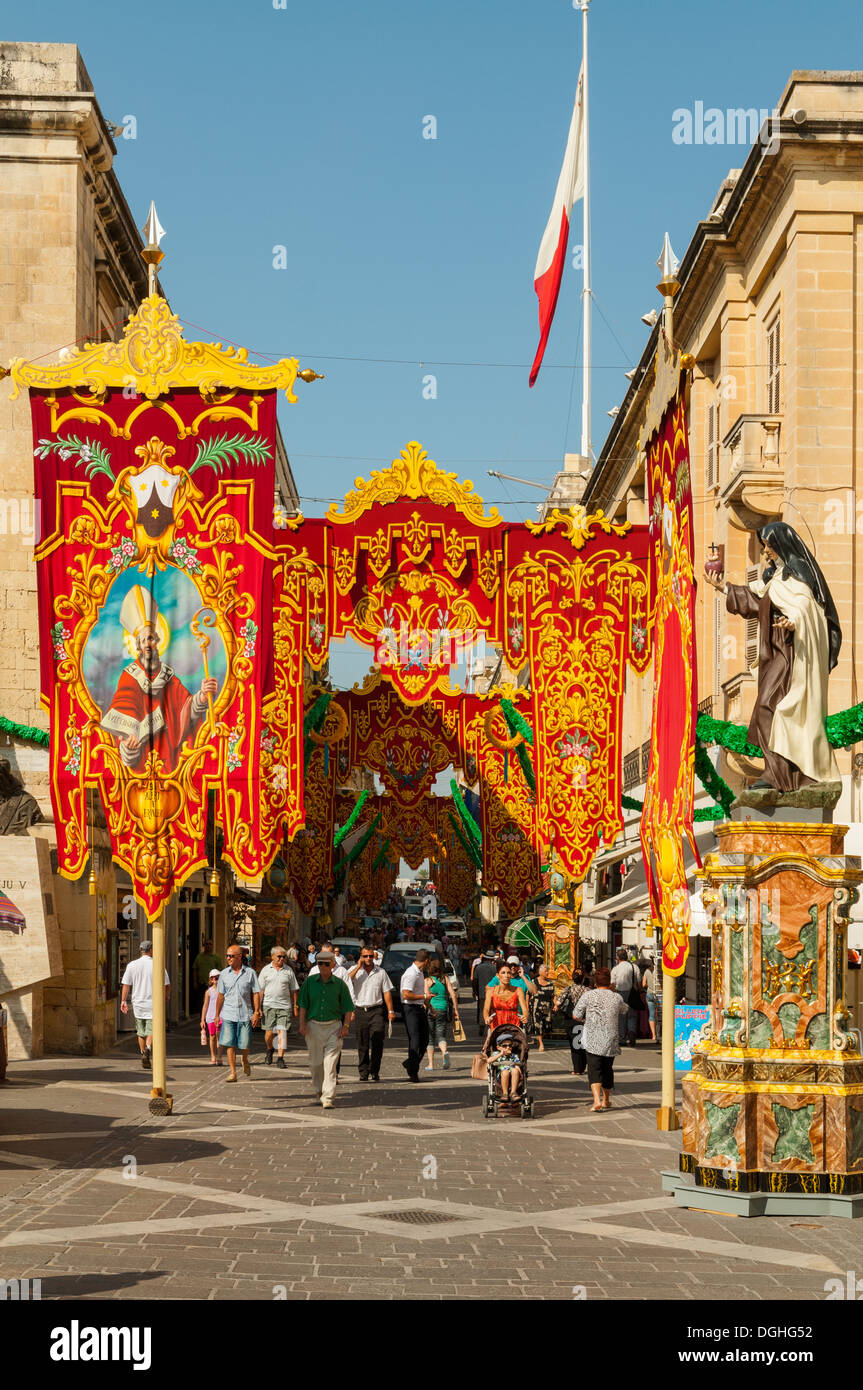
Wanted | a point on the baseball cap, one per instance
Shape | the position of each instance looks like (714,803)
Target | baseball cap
(513,960)
(217,973)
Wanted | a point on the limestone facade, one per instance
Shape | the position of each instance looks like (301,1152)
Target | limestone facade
(70,272)
(771,309)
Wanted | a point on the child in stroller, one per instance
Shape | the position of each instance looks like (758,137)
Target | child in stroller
(507,1052)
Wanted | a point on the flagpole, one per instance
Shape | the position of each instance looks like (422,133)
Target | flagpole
(586,290)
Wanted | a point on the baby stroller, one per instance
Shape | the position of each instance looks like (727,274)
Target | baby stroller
(493,1101)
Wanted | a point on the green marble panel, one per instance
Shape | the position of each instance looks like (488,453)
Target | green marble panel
(793,1126)
(735,945)
(855,1140)
(818,1031)
(789,1017)
(721,1122)
(760,1031)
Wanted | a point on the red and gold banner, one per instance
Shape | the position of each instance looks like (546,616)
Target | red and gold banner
(510,852)
(154,474)
(668,802)
(577,608)
(310,853)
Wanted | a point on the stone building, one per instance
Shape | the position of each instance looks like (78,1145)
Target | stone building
(770,307)
(70,272)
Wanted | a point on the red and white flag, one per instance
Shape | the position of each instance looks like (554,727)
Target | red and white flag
(552,250)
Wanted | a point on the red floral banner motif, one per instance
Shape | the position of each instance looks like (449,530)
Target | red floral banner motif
(510,853)
(407,745)
(668,802)
(416,567)
(300,606)
(155,594)
(577,608)
(310,855)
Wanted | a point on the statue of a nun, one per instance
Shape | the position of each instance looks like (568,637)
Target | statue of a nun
(799,641)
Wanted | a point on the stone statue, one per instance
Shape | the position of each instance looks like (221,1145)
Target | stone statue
(799,641)
(18,808)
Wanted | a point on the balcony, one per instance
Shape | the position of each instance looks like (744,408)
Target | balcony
(631,769)
(754,473)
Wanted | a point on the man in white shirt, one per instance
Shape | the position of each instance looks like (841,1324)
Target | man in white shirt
(280,987)
(372,992)
(625,977)
(413,993)
(138,981)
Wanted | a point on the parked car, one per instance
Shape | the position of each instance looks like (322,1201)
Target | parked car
(350,946)
(399,956)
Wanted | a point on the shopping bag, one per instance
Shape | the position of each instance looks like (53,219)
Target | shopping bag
(458,1033)
(479,1067)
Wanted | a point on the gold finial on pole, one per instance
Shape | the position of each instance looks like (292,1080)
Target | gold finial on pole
(307,375)
(153,232)
(205,617)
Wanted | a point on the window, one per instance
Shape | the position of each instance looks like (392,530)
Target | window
(712,452)
(774,366)
(751,626)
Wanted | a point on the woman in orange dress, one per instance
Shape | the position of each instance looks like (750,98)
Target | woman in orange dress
(505,1005)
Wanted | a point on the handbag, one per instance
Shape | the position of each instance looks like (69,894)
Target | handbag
(634,999)
(458,1033)
(479,1067)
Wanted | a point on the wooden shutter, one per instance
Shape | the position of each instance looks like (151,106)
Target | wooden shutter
(751,625)
(712,461)
(774,366)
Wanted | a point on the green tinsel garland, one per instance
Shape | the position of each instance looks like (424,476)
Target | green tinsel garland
(703,813)
(710,778)
(517,721)
(465,816)
(351,820)
(731,736)
(382,854)
(28,731)
(516,724)
(358,848)
(845,728)
(470,850)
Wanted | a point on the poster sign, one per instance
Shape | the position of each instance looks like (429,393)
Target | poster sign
(29,934)
(691,1026)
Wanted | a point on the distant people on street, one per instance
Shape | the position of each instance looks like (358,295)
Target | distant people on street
(209,1026)
(138,981)
(505,1004)
(440,998)
(238,1009)
(566,1003)
(600,1009)
(648,984)
(280,988)
(372,991)
(205,961)
(626,981)
(541,1006)
(326,1013)
(413,996)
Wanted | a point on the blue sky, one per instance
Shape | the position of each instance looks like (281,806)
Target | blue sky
(302,126)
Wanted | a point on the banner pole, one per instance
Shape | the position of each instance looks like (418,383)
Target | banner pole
(160,1102)
(586,290)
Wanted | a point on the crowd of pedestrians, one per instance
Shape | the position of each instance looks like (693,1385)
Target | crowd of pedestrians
(326,994)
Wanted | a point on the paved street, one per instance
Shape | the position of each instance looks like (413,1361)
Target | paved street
(401,1192)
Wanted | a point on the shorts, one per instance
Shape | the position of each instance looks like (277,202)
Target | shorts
(651,1008)
(236,1035)
(600,1071)
(278,1018)
(212,1028)
(437,1026)
(143,1027)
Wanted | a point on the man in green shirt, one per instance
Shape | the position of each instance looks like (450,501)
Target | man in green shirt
(326,1011)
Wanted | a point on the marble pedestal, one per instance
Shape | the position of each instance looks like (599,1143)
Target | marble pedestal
(774,1101)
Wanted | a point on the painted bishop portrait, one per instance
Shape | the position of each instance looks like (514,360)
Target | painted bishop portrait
(151,708)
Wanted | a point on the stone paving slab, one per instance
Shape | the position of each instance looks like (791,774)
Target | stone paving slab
(249,1187)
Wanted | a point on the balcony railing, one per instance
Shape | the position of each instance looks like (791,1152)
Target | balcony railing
(705,706)
(645,760)
(631,769)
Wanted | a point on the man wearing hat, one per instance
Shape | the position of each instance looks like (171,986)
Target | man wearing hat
(151,708)
(483,973)
(138,981)
(326,1013)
